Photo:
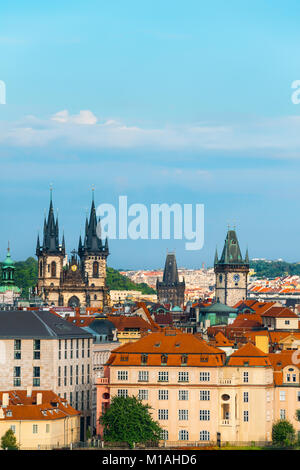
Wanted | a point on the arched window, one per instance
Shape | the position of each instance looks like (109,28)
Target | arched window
(204,436)
(95,269)
(53,269)
(41,268)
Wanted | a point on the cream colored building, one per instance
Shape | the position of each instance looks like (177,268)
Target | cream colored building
(193,391)
(39,420)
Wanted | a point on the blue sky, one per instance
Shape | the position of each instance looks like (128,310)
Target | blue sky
(172,101)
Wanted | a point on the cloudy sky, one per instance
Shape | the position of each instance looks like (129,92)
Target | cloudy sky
(185,102)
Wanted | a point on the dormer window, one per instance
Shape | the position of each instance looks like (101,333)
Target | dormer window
(144,358)
(184,359)
(164,358)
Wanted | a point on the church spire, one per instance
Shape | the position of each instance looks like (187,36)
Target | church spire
(231,253)
(51,231)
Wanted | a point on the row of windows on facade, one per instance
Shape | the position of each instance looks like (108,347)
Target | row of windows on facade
(65,378)
(75,402)
(37,348)
(71,343)
(52,269)
(35,428)
(204,395)
(36,381)
(183,435)
(37,372)
(163,376)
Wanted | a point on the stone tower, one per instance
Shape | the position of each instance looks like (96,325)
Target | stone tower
(231,272)
(50,258)
(170,290)
(93,254)
(82,280)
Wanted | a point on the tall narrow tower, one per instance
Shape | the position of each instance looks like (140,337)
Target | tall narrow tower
(50,258)
(93,255)
(231,272)
(170,290)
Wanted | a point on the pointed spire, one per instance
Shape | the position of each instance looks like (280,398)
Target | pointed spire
(231,253)
(106,245)
(92,244)
(247,256)
(51,231)
(216,257)
(38,246)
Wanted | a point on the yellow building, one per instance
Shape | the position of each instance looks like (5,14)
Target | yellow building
(39,419)
(193,390)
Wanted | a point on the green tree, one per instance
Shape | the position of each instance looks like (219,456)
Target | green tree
(9,441)
(129,420)
(283,433)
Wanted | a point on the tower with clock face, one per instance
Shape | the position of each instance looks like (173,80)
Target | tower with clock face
(231,272)
(79,282)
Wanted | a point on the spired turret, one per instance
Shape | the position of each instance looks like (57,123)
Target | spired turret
(170,290)
(231,272)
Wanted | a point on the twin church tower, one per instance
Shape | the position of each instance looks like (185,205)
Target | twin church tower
(82,280)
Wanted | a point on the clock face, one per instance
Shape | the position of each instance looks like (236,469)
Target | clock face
(74,267)
(236,277)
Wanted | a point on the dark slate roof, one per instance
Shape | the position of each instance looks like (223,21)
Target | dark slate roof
(27,324)
(101,326)
(231,253)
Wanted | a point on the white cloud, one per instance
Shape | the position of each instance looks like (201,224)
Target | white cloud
(84,117)
(277,137)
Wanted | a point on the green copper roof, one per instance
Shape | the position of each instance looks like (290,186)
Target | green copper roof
(4,289)
(218,308)
(231,253)
(8,263)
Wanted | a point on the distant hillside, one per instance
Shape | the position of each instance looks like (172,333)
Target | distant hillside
(273,269)
(117,281)
(27,271)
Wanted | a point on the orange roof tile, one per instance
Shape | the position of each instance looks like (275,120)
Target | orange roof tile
(249,355)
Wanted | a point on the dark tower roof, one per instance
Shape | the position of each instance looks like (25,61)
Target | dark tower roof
(170,272)
(51,235)
(92,242)
(231,253)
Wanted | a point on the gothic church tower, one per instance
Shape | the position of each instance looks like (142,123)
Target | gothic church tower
(231,272)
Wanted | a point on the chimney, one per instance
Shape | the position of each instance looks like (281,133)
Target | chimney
(39,398)
(5,400)
(29,390)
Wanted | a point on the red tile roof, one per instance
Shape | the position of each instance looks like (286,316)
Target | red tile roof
(249,355)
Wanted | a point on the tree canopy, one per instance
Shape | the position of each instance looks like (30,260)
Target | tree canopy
(283,433)
(129,420)
(9,441)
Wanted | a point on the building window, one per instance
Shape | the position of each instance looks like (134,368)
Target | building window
(246,377)
(287,322)
(76,400)
(298,396)
(82,399)
(163,394)
(163,376)
(65,376)
(246,397)
(282,395)
(88,351)
(183,415)
(143,376)
(71,375)
(164,358)
(58,378)
(82,349)
(143,394)
(59,349)
(95,269)
(123,393)
(88,399)
(47,428)
(36,349)
(13,428)
(163,414)
(183,435)
(164,435)
(204,415)
(144,358)
(82,374)
(35,428)
(183,376)
(204,377)
(282,414)
(204,395)
(184,359)
(17,349)
(53,269)
(183,395)
(246,416)
(204,436)
(122,375)
(77,373)
(36,377)
(17,376)
(294,377)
